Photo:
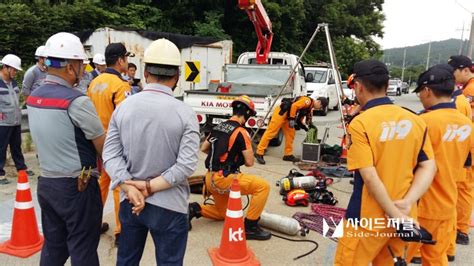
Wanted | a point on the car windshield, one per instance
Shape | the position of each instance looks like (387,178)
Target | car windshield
(319,75)
(392,82)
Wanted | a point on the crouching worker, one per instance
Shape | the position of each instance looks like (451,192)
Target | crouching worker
(229,147)
(289,117)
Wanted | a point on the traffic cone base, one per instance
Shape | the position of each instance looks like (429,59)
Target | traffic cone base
(25,238)
(233,249)
(22,252)
(218,260)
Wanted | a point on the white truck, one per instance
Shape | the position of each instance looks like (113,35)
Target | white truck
(320,81)
(261,82)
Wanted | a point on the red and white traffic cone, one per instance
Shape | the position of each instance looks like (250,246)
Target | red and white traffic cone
(233,249)
(25,239)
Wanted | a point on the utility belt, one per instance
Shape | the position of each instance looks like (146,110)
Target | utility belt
(222,172)
(226,170)
(84,178)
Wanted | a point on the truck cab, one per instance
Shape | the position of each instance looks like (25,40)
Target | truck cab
(321,82)
(281,58)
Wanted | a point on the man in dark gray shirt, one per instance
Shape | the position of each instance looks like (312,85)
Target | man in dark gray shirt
(68,136)
(153,138)
(35,75)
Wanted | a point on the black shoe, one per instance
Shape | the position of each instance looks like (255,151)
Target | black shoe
(290,158)
(254,232)
(30,173)
(416,260)
(259,158)
(104,228)
(117,239)
(451,258)
(462,238)
(194,212)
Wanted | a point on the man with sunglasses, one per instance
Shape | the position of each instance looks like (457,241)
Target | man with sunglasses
(393,162)
(107,91)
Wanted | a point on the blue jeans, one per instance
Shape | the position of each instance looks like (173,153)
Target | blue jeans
(168,229)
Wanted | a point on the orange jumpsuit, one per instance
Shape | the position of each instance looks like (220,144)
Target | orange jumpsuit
(450,135)
(278,122)
(381,135)
(465,189)
(255,186)
(107,91)
(462,215)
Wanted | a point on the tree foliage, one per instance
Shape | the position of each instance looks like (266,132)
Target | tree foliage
(27,24)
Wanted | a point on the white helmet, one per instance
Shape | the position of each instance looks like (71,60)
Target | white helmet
(40,51)
(12,60)
(162,52)
(99,59)
(65,46)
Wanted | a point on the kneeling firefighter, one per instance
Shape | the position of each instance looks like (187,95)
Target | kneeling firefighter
(288,117)
(229,147)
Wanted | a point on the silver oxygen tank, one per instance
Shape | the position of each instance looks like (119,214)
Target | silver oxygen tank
(282,224)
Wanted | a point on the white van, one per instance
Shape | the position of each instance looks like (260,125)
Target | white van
(320,82)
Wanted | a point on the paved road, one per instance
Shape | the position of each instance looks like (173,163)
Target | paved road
(207,234)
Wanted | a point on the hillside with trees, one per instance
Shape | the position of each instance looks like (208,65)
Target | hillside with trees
(26,24)
(416,57)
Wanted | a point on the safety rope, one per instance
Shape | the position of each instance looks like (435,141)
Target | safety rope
(314,220)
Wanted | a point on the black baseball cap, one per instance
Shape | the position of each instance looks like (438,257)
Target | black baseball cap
(460,61)
(117,49)
(438,77)
(369,67)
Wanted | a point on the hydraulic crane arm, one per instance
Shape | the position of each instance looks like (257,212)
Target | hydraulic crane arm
(263,27)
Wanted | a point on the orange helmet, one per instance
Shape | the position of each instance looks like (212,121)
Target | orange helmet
(244,99)
(351,81)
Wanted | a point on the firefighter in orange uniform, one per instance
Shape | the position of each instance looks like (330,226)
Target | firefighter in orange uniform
(229,147)
(464,74)
(382,135)
(288,117)
(107,91)
(450,134)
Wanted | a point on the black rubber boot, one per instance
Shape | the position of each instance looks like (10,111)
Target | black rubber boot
(194,212)
(462,238)
(290,158)
(104,228)
(451,258)
(259,158)
(254,232)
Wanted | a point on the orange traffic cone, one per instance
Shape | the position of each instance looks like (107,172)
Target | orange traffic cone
(343,156)
(233,249)
(25,239)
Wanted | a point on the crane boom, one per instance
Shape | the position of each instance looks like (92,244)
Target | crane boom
(263,27)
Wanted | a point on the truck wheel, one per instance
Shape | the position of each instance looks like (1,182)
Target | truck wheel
(276,141)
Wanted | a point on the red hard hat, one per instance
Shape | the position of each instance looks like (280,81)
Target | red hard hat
(297,197)
(247,101)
